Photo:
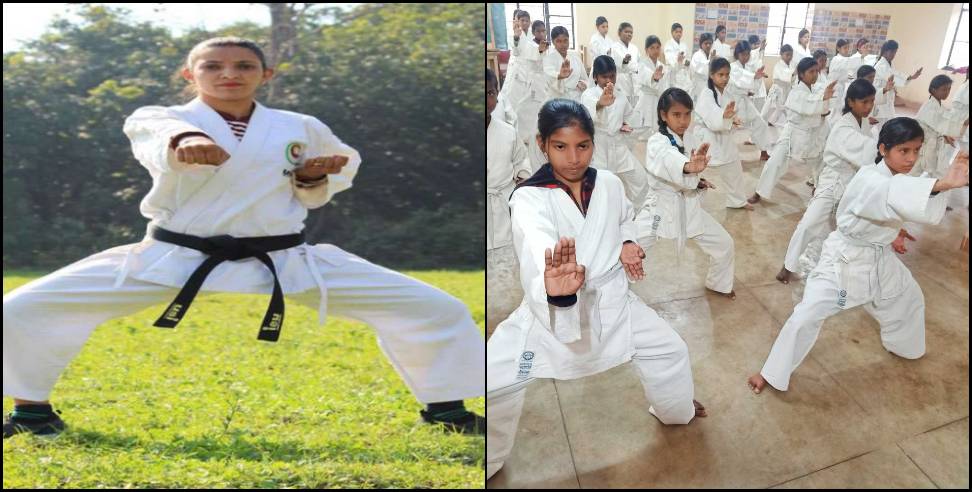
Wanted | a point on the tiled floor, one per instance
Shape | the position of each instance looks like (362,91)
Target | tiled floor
(855,415)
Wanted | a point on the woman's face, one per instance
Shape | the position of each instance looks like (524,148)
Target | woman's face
(844,50)
(602,79)
(902,157)
(861,107)
(653,51)
(865,49)
(787,57)
(941,93)
(524,23)
(625,35)
(706,46)
(720,77)
(890,54)
(805,39)
(561,43)
(744,56)
(677,34)
(677,118)
(810,76)
(569,150)
(603,28)
(227,73)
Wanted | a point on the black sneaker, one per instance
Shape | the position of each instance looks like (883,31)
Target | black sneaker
(459,420)
(48,428)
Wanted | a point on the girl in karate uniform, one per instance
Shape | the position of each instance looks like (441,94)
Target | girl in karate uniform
(843,69)
(757,48)
(506,165)
(805,133)
(867,72)
(885,71)
(721,48)
(611,110)
(625,55)
(939,146)
(717,120)
(743,86)
(531,67)
(784,75)
(575,236)
(678,58)
(857,266)
(849,144)
(233,180)
(566,76)
(802,49)
(700,65)
(674,178)
(653,79)
(515,85)
(863,55)
(600,41)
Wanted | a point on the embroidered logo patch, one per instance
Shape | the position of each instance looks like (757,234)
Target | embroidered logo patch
(295,152)
(655,222)
(842,300)
(526,363)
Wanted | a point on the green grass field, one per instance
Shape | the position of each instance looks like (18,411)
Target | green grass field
(155,408)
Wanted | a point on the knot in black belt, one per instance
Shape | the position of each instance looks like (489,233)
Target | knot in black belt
(228,248)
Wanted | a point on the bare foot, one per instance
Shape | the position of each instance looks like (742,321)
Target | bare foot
(784,275)
(699,409)
(731,294)
(756,383)
(763,156)
(754,199)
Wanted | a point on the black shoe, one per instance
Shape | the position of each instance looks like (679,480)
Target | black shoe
(459,420)
(48,428)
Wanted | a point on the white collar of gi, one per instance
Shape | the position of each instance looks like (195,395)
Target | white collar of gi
(256,134)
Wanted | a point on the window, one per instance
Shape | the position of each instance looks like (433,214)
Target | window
(956,50)
(785,22)
(552,15)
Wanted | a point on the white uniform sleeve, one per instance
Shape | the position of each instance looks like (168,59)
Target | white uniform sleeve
(666,163)
(905,198)
(806,103)
(711,113)
(851,147)
(629,231)
(521,160)
(324,143)
(551,70)
(150,129)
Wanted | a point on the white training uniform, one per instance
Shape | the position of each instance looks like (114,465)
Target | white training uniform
(600,45)
(755,63)
(844,70)
(710,127)
(858,267)
(427,335)
(723,50)
(531,67)
(627,73)
(506,160)
(784,76)
(699,67)
(849,146)
(957,115)
(802,139)
(934,155)
(799,53)
(646,111)
(681,74)
(607,326)
(569,88)
(515,85)
(677,213)
(883,70)
(611,152)
(742,83)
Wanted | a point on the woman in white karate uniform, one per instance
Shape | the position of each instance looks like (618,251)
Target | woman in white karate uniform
(743,86)
(939,146)
(868,73)
(574,234)
(506,165)
(653,79)
(232,183)
(611,110)
(531,67)
(784,76)
(885,71)
(958,115)
(843,69)
(802,49)
(678,59)
(566,77)
(757,48)
(805,133)
(515,85)
(601,43)
(863,54)
(719,45)
(674,179)
(849,144)
(626,54)
(699,65)
(716,123)
(857,267)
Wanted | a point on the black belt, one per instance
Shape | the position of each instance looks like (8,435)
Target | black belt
(228,248)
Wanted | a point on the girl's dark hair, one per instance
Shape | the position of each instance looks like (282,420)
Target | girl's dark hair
(860,42)
(939,81)
(715,66)
(650,40)
(802,32)
(741,46)
(840,44)
(819,53)
(491,78)
(857,90)
(600,20)
(720,28)
(536,25)
(896,132)
(558,31)
(623,26)
(889,45)
(786,49)
(223,42)
(706,36)
(804,65)
(753,40)
(665,102)
(603,65)
(562,113)
(520,13)
(864,71)
(676,26)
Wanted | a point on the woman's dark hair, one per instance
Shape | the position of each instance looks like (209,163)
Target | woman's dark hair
(562,113)
(741,46)
(864,71)
(860,42)
(558,31)
(491,78)
(857,90)
(939,81)
(720,28)
(840,44)
(665,102)
(520,13)
(537,24)
(600,20)
(819,53)
(896,132)
(650,40)
(802,32)
(715,66)
(623,26)
(676,26)
(786,49)
(224,42)
(706,36)
(804,65)
(753,40)
(603,65)
(889,45)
